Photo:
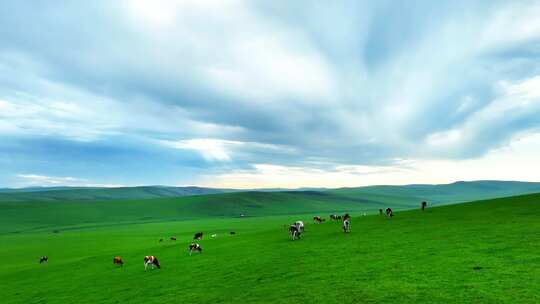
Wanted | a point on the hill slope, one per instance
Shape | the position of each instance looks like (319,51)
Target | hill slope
(101,194)
(31,215)
(444,193)
(481,252)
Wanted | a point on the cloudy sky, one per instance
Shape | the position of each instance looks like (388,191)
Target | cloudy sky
(252,94)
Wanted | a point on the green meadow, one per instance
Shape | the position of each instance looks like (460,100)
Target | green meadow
(479,252)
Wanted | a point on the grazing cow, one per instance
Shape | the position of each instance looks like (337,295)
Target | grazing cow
(299,225)
(198,236)
(339,217)
(44,259)
(214,236)
(194,247)
(294,233)
(380,211)
(118,261)
(173,238)
(389,212)
(346,225)
(151,260)
(333,217)
(317,219)
(160,240)
(232,233)
(424,205)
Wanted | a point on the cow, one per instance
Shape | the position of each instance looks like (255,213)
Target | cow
(346,223)
(198,236)
(424,205)
(339,217)
(232,233)
(173,238)
(151,260)
(117,260)
(389,212)
(160,240)
(299,225)
(194,247)
(380,211)
(44,259)
(294,233)
(333,217)
(317,219)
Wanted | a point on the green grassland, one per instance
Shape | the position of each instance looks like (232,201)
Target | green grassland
(480,252)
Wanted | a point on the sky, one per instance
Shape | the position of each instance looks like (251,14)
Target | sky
(265,94)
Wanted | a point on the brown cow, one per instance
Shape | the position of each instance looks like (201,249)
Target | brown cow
(151,260)
(173,238)
(317,219)
(117,260)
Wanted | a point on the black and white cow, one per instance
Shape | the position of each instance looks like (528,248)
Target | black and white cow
(44,259)
(198,236)
(294,233)
(300,226)
(389,212)
(151,260)
(346,223)
(333,217)
(194,247)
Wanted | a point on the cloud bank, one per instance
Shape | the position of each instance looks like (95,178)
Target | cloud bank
(207,92)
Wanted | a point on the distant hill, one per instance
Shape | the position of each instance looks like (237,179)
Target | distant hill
(60,208)
(101,194)
(442,194)
(400,195)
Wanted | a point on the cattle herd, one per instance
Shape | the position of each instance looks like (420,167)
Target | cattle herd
(295,232)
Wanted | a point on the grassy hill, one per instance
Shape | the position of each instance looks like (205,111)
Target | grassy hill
(436,194)
(100,194)
(480,252)
(49,215)
(444,193)
(63,209)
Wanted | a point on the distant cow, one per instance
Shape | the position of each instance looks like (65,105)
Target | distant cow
(198,236)
(346,225)
(151,260)
(44,259)
(424,205)
(232,233)
(194,247)
(317,219)
(300,226)
(118,261)
(339,217)
(389,212)
(160,240)
(380,211)
(333,217)
(294,233)
(173,238)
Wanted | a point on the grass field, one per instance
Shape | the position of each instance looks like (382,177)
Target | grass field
(481,252)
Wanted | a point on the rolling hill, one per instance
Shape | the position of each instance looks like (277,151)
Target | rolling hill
(100,194)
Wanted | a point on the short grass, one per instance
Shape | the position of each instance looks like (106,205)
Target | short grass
(482,252)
